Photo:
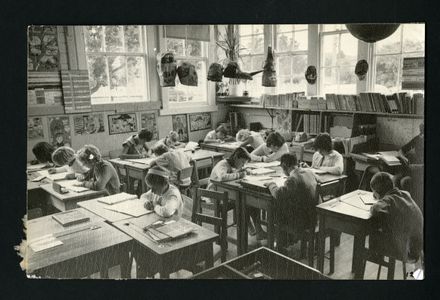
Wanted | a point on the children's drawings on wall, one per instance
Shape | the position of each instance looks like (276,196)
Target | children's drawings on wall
(199,121)
(59,130)
(180,125)
(122,123)
(43,52)
(283,123)
(88,124)
(35,129)
(149,121)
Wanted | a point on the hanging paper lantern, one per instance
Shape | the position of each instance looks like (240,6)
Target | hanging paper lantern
(269,74)
(167,69)
(311,74)
(361,69)
(215,72)
(371,33)
(187,74)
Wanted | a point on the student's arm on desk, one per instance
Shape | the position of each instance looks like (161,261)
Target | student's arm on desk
(168,209)
(380,207)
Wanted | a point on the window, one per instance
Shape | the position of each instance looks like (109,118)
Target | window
(252,56)
(116,61)
(407,41)
(196,53)
(338,57)
(291,52)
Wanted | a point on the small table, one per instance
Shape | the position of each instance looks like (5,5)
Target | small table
(347,214)
(70,199)
(87,248)
(174,255)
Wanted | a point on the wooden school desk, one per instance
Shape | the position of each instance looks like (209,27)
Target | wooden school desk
(227,148)
(362,162)
(87,248)
(138,171)
(169,257)
(255,194)
(70,199)
(347,214)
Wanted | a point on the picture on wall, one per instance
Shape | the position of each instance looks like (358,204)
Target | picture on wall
(35,128)
(149,121)
(283,123)
(180,125)
(88,124)
(43,52)
(122,123)
(59,131)
(199,121)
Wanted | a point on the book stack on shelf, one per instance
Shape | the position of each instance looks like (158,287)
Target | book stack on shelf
(281,100)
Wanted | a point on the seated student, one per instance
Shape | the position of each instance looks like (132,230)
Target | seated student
(249,138)
(325,158)
(173,161)
(132,147)
(170,141)
(296,199)
(219,135)
(43,153)
(272,150)
(231,169)
(102,175)
(398,219)
(163,197)
(65,158)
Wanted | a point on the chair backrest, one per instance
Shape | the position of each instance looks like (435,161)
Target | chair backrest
(220,199)
(369,172)
(329,190)
(121,171)
(184,178)
(202,170)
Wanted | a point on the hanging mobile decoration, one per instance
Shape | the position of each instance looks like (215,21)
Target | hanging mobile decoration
(187,74)
(167,69)
(311,74)
(269,74)
(361,69)
(215,72)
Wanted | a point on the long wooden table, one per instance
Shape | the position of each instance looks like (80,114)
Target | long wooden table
(138,171)
(259,197)
(89,247)
(348,214)
(226,148)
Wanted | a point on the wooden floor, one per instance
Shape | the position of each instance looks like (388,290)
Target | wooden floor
(343,257)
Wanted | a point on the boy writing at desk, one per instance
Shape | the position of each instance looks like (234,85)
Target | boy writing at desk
(133,146)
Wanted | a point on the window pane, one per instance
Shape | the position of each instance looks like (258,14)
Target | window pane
(184,93)
(257,62)
(301,26)
(284,65)
(333,27)
(246,63)
(386,73)
(244,30)
(258,44)
(246,42)
(347,81)
(348,50)
(299,64)
(193,48)
(132,35)
(329,50)
(97,66)
(301,39)
(413,37)
(391,44)
(117,73)
(113,38)
(93,38)
(136,77)
(329,80)
(284,28)
(176,45)
(258,29)
(284,42)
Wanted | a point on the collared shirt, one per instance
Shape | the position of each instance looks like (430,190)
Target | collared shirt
(166,205)
(266,153)
(333,162)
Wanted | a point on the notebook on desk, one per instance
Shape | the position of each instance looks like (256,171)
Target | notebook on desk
(117,198)
(71,217)
(390,158)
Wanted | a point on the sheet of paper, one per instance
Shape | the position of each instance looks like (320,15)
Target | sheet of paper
(70,185)
(257,178)
(191,145)
(261,171)
(263,164)
(37,167)
(133,208)
(117,198)
(53,177)
(39,178)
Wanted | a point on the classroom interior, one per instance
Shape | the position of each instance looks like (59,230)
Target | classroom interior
(198,89)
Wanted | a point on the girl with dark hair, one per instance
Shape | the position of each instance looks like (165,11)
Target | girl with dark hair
(102,174)
(325,158)
(272,150)
(43,152)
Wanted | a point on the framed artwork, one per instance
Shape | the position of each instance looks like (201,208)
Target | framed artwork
(283,122)
(59,131)
(43,52)
(180,125)
(35,129)
(199,121)
(149,121)
(88,124)
(122,123)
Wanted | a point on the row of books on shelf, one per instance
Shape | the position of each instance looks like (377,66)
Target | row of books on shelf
(397,103)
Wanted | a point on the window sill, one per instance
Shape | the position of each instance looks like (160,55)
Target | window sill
(126,107)
(188,109)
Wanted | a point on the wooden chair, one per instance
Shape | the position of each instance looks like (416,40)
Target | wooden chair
(123,176)
(220,201)
(184,175)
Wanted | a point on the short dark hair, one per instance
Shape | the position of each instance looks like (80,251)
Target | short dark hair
(275,139)
(43,152)
(323,142)
(154,179)
(160,149)
(381,183)
(288,160)
(145,134)
(239,153)
(221,129)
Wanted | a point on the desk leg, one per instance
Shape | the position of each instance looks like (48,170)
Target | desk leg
(239,212)
(209,256)
(164,271)
(270,226)
(358,255)
(244,225)
(125,262)
(144,184)
(321,244)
